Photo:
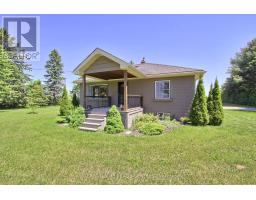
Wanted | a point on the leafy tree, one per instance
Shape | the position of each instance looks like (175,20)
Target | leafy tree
(76,88)
(13,53)
(75,100)
(240,87)
(35,95)
(210,106)
(12,85)
(65,105)
(5,38)
(19,80)
(217,113)
(114,121)
(199,114)
(54,77)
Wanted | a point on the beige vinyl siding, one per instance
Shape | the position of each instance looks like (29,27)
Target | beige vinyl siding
(103,64)
(182,93)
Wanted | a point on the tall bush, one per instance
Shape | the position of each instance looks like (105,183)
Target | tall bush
(75,100)
(210,105)
(217,114)
(65,105)
(199,114)
(114,121)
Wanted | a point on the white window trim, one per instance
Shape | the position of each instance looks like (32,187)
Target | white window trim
(169,97)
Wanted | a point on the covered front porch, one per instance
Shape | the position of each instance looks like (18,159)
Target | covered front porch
(99,71)
(105,82)
(100,96)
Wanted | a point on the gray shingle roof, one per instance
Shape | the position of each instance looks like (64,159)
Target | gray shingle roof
(154,69)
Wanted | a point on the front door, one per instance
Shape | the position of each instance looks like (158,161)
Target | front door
(120,93)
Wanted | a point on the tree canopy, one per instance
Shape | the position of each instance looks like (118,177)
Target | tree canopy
(240,86)
(35,95)
(12,85)
(13,74)
(54,77)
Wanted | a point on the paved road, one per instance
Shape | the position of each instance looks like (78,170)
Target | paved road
(239,108)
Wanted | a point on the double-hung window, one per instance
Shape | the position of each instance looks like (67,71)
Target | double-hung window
(162,89)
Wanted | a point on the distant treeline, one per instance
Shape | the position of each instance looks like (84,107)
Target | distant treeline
(240,87)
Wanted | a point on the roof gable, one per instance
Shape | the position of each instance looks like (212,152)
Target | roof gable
(86,63)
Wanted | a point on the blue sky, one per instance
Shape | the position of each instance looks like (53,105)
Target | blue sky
(202,41)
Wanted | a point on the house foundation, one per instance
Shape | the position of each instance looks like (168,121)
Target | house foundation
(129,115)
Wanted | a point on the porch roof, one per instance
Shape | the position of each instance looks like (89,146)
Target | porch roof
(107,74)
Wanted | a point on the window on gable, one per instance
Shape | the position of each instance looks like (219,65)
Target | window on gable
(162,89)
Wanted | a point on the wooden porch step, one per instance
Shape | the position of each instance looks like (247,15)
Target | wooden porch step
(97,116)
(91,125)
(93,120)
(87,129)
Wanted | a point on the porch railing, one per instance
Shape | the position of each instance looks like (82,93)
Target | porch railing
(97,101)
(105,101)
(133,100)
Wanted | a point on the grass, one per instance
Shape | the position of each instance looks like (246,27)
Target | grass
(34,150)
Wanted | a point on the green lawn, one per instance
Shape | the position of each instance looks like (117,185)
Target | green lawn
(34,150)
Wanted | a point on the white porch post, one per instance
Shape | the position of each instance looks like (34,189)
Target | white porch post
(84,89)
(125,92)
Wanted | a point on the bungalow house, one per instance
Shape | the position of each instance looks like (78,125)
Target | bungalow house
(134,88)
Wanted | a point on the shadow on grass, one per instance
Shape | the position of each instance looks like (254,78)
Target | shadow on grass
(31,112)
(241,110)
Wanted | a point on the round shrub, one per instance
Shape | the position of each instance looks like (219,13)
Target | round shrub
(152,128)
(148,117)
(145,118)
(76,117)
(114,122)
(185,120)
(61,119)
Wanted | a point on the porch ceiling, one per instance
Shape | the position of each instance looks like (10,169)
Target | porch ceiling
(117,74)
